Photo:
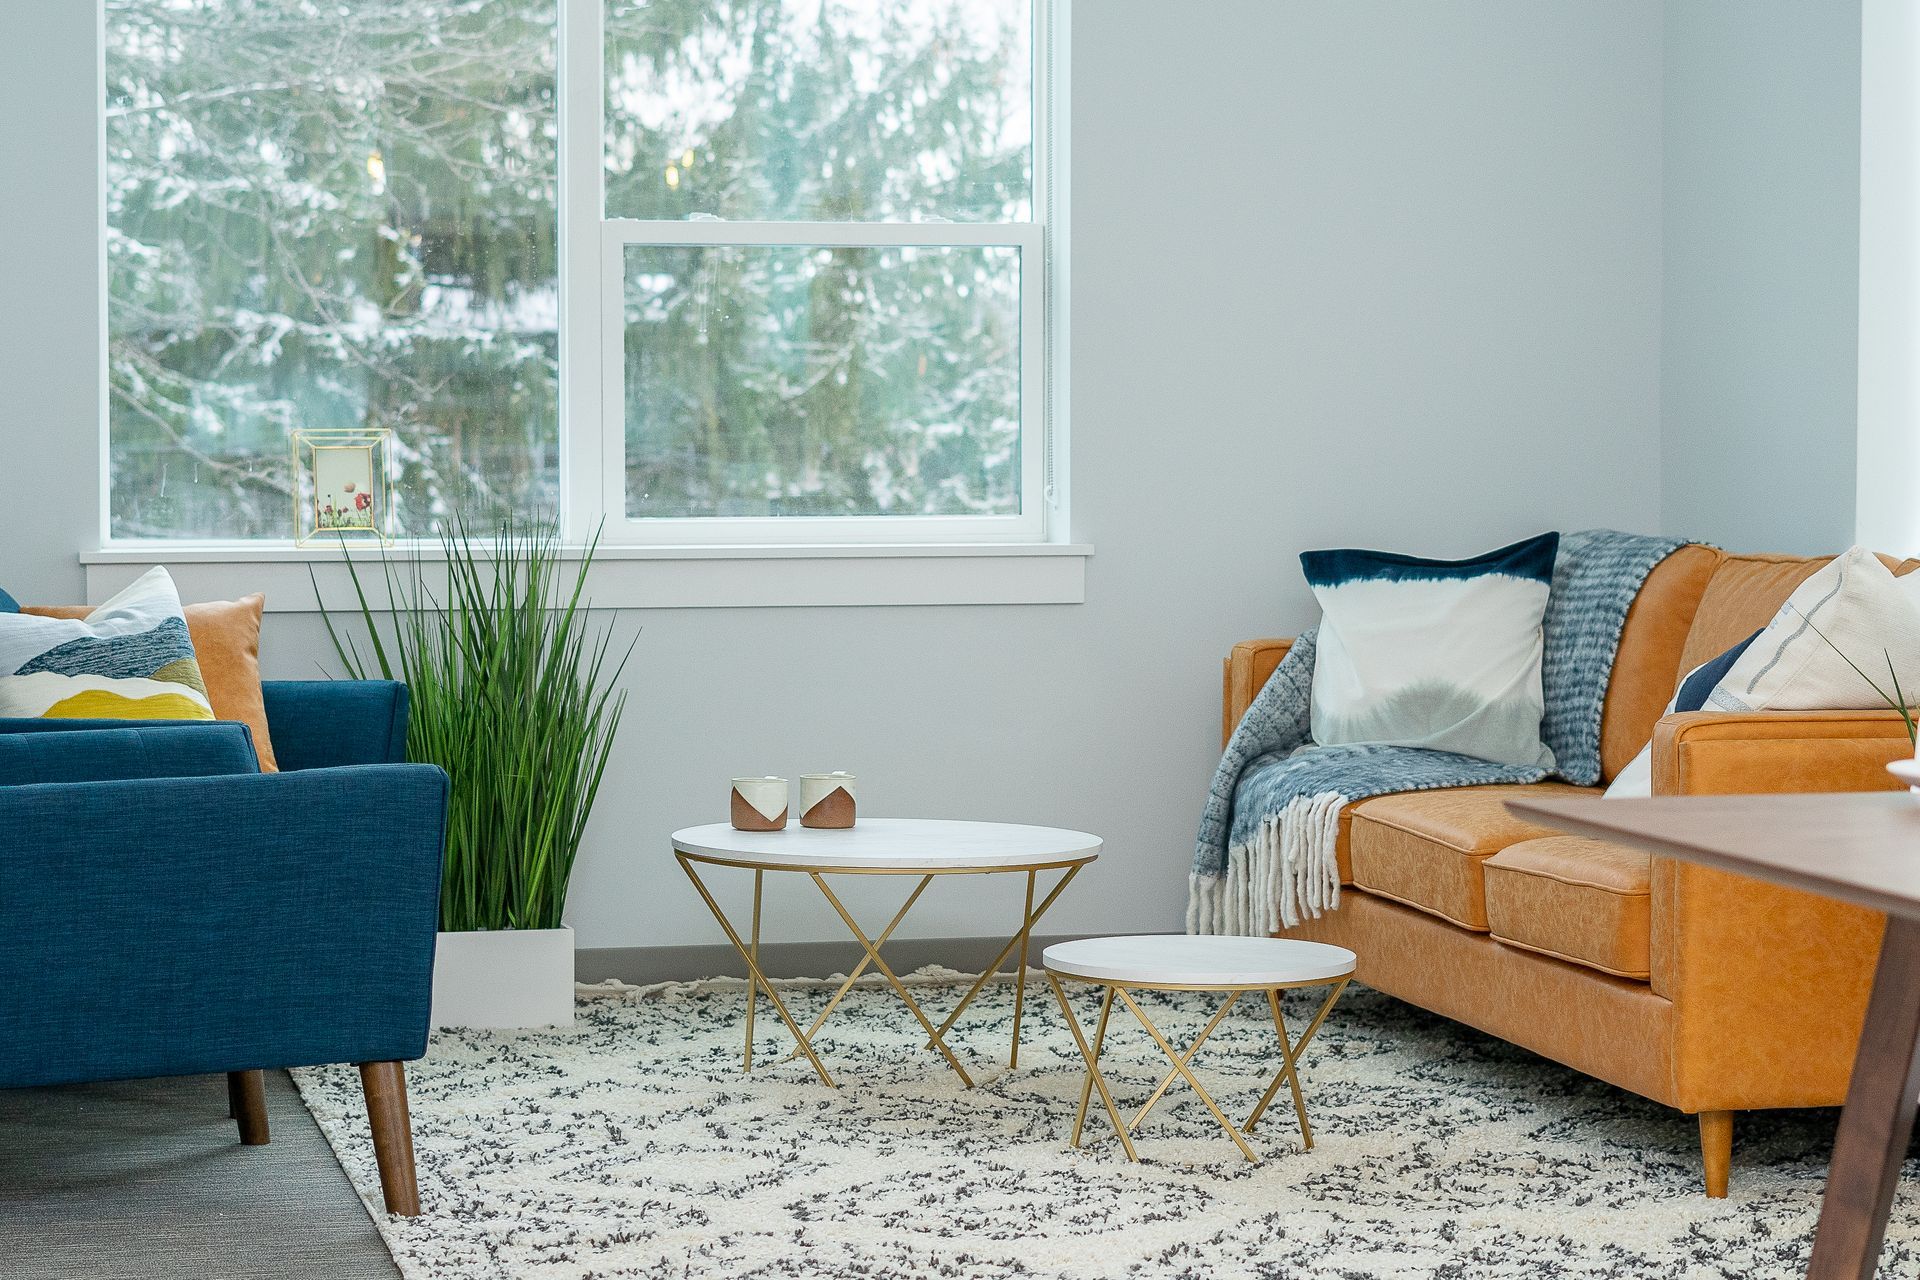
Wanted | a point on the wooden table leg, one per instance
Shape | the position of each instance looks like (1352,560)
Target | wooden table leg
(1878,1121)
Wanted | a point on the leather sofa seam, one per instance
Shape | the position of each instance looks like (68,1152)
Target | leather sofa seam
(1421,907)
(1642,976)
(1578,884)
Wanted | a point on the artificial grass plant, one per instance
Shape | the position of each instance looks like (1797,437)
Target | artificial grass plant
(513,694)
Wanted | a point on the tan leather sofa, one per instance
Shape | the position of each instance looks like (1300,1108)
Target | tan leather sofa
(1699,989)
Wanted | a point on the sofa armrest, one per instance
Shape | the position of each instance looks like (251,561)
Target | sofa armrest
(1725,753)
(325,724)
(191,925)
(1735,954)
(1244,674)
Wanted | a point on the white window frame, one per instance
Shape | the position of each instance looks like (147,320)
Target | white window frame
(618,233)
(593,326)
(726,562)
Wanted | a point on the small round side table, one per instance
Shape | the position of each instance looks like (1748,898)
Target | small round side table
(1175,962)
(917,847)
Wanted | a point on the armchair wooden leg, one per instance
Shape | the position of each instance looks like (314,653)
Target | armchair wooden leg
(385,1087)
(1716,1150)
(247,1103)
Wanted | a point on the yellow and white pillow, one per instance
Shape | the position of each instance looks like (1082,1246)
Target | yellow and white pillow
(130,659)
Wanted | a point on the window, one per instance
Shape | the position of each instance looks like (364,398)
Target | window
(706,271)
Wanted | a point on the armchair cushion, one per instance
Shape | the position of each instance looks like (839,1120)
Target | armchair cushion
(191,750)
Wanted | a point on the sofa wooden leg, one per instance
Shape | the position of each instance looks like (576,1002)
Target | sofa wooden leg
(1716,1150)
(247,1103)
(385,1087)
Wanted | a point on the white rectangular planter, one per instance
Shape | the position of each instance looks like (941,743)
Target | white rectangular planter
(503,978)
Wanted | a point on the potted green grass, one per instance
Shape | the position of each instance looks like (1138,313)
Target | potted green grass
(514,694)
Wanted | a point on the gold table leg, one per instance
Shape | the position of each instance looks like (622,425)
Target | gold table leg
(1094,1078)
(1193,1081)
(1289,1074)
(754,975)
(865,960)
(753,991)
(1187,1057)
(1086,1085)
(1019,940)
(1290,1061)
(893,980)
(1020,974)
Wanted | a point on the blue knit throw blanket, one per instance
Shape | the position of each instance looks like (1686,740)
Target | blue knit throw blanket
(1264,858)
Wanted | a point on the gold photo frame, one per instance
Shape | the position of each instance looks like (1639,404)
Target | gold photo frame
(342,484)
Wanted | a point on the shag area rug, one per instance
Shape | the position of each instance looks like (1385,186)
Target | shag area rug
(631,1145)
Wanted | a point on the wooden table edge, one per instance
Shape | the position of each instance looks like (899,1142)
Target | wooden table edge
(1570,816)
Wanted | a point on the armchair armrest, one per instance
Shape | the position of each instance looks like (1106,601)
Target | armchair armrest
(191,925)
(324,724)
(1244,674)
(1733,953)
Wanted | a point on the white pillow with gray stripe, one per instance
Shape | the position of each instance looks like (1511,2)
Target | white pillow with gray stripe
(1869,615)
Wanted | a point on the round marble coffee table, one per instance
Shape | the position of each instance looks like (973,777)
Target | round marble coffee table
(918,847)
(1176,962)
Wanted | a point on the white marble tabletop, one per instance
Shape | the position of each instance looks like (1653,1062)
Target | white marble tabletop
(1174,959)
(889,844)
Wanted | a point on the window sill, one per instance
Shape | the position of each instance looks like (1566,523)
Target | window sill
(688,577)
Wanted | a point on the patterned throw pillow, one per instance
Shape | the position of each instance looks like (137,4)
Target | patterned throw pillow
(1443,654)
(130,659)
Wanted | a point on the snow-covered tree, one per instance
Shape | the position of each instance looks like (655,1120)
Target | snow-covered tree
(344,214)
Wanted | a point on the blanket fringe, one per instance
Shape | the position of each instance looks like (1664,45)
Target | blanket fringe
(1286,874)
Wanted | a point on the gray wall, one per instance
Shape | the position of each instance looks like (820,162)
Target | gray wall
(50,347)
(1343,272)
(1762,232)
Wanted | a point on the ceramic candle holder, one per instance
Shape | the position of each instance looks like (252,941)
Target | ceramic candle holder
(826,800)
(759,804)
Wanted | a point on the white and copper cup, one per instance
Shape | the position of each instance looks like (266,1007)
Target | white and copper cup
(826,800)
(759,804)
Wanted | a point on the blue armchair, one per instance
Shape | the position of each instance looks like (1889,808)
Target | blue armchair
(167,909)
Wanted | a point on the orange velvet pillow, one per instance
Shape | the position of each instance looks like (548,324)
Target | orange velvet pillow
(226,642)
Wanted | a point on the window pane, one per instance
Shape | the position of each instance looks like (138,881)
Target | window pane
(822,110)
(801,381)
(329,216)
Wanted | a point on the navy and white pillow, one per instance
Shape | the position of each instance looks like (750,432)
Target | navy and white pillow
(1636,780)
(1442,654)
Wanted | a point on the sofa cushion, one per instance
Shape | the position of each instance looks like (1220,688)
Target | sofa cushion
(1585,901)
(1424,848)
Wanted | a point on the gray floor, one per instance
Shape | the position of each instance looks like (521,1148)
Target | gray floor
(147,1180)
